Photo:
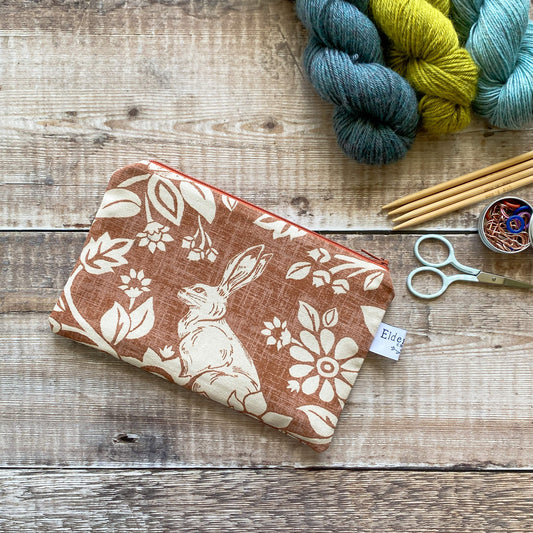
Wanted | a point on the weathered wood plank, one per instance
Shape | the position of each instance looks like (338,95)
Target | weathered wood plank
(270,500)
(36,265)
(460,395)
(215,89)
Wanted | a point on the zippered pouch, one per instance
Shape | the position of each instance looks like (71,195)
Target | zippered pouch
(228,300)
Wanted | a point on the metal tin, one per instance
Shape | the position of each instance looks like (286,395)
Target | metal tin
(481,226)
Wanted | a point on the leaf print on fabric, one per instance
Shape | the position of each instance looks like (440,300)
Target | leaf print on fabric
(142,320)
(135,179)
(321,420)
(321,255)
(255,403)
(151,357)
(276,420)
(200,198)
(330,318)
(119,203)
(166,194)
(359,266)
(115,324)
(373,281)
(351,263)
(298,270)
(166,198)
(322,276)
(102,255)
(277,333)
(229,202)
(83,327)
(324,366)
(279,228)
(340,286)
(54,324)
(372,317)
(60,305)
(308,316)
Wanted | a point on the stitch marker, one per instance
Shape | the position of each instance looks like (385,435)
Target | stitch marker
(504,225)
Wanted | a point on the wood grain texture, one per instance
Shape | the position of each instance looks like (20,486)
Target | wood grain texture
(229,500)
(460,397)
(214,89)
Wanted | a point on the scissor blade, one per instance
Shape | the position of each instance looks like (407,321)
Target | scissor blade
(494,279)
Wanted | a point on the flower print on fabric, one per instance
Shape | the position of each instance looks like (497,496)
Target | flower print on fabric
(167,352)
(165,197)
(154,236)
(134,285)
(277,333)
(200,245)
(225,299)
(102,256)
(211,359)
(325,365)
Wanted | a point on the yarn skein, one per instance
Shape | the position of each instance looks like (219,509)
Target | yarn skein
(424,48)
(499,36)
(375,117)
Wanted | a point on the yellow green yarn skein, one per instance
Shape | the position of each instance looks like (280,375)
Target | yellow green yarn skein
(424,49)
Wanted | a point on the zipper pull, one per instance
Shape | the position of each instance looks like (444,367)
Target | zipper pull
(379,260)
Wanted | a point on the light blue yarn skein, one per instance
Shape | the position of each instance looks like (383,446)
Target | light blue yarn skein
(499,36)
(376,115)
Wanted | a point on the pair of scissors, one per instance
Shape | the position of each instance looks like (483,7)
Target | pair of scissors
(470,274)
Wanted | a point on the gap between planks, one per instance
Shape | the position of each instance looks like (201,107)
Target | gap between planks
(330,232)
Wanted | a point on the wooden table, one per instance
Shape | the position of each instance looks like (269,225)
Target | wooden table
(441,440)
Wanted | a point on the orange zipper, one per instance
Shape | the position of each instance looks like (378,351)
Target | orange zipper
(367,255)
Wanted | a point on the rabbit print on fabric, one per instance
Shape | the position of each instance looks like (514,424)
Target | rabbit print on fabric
(227,300)
(211,354)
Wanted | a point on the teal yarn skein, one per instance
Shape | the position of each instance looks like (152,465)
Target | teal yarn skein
(499,36)
(376,110)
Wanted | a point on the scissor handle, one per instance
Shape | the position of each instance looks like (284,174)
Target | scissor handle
(446,280)
(450,258)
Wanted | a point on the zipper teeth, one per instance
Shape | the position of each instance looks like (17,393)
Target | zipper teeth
(375,257)
(369,257)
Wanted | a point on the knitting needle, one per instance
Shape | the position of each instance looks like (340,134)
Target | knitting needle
(464,195)
(489,178)
(464,203)
(458,181)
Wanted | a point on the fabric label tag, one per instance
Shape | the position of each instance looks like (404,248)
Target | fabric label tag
(388,341)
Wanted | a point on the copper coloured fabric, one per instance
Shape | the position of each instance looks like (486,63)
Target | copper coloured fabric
(223,298)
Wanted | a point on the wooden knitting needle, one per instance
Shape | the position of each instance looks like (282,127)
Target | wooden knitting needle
(458,181)
(448,209)
(489,178)
(464,195)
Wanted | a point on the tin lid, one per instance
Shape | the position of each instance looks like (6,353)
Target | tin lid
(530,234)
(490,241)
